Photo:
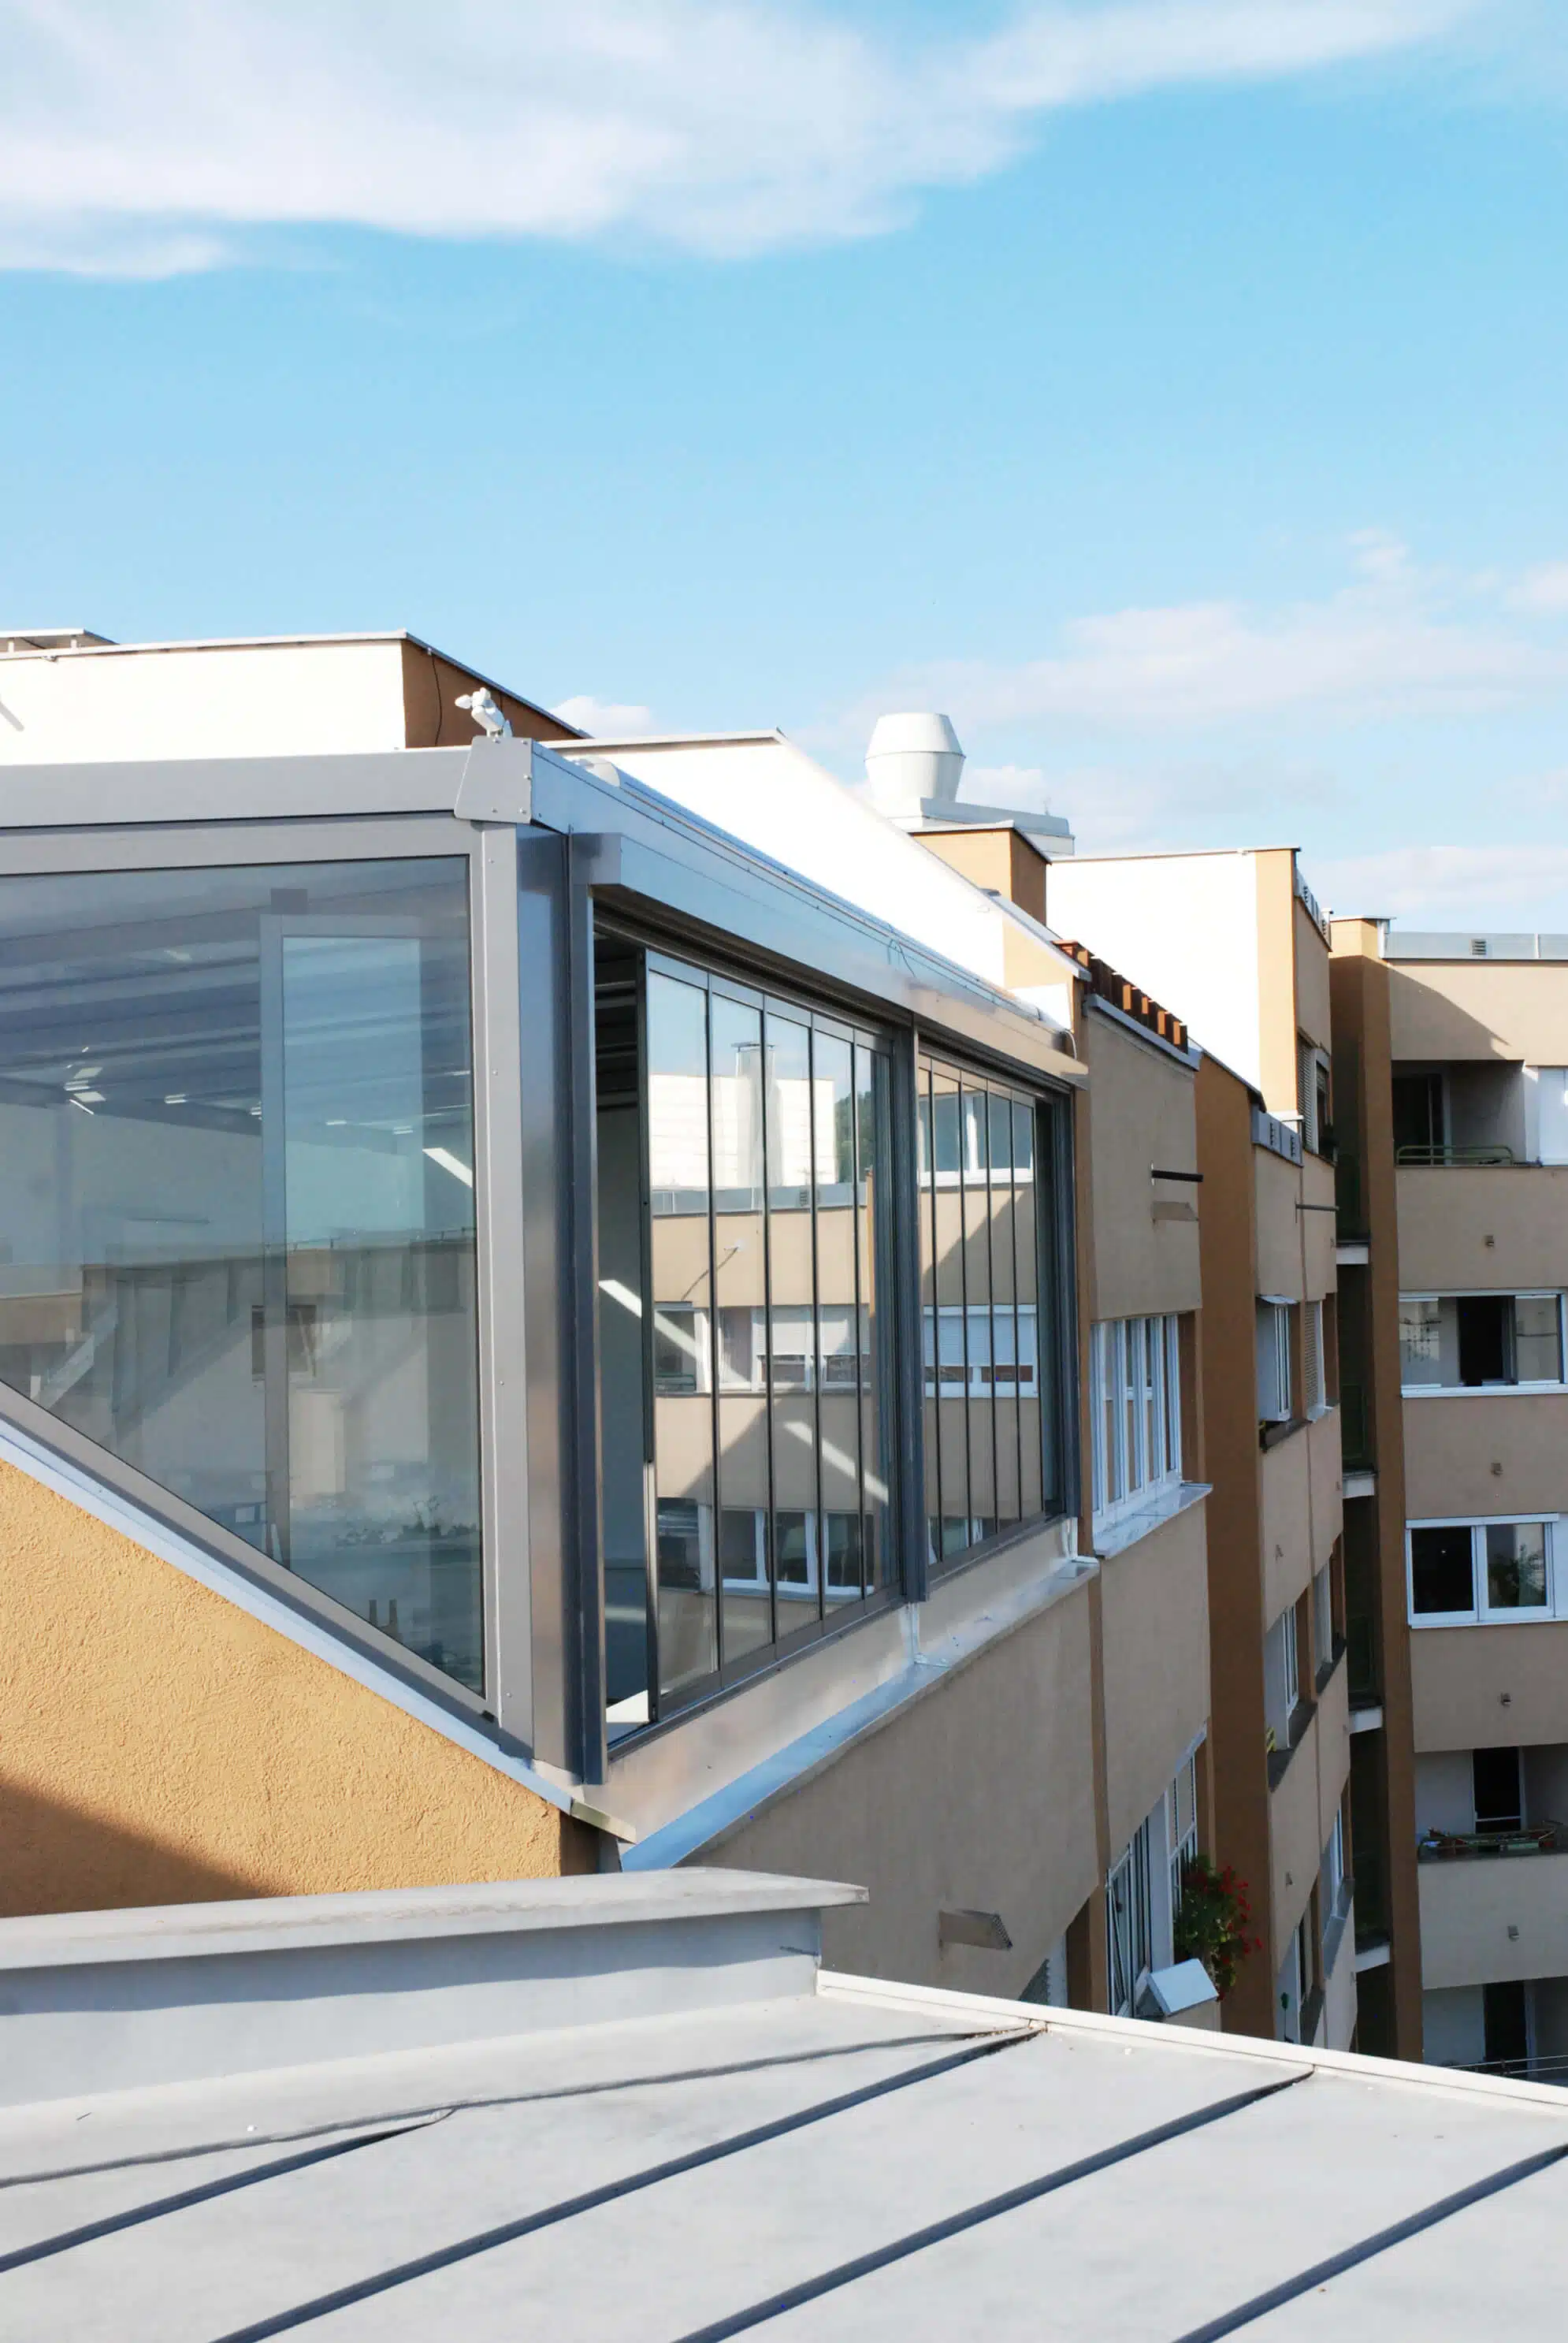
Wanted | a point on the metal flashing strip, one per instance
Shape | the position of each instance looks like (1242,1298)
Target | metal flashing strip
(610,2192)
(687,1832)
(1244,2315)
(120,1514)
(992,2208)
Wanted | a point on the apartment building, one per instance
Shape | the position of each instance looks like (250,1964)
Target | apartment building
(1142,1500)
(539,1324)
(1238,944)
(1470,1095)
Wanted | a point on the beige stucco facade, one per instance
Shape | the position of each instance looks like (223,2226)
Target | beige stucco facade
(1003,1820)
(1142,1120)
(1473,1229)
(1479,1009)
(1493,1918)
(160,1745)
(1469,1455)
(1482,1687)
(1154,1600)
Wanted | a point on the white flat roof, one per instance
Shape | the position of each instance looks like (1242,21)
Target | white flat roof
(838,2159)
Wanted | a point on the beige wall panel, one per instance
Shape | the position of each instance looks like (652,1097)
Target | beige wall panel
(1275,871)
(1286,1523)
(1496,1231)
(1141,1114)
(979,1795)
(1333,1749)
(1154,1628)
(1475,1009)
(1312,1017)
(1340,1993)
(681,1262)
(160,1745)
(1451,1444)
(1468,1908)
(1318,1236)
(1279,1225)
(1462,1676)
(1325,1472)
(1294,1845)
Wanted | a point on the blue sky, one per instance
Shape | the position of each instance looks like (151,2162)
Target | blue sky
(1173,390)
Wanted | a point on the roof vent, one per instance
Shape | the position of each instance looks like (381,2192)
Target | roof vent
(911,760)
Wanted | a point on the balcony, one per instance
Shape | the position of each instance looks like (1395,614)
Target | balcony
(1488,1916)
(1482,1155)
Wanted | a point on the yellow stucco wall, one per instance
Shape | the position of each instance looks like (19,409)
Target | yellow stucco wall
(159,1744)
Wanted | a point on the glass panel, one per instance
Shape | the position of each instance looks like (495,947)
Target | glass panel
(874,1249)
(952,1370)
(1031,1450)
(1153,1400)
(677,1147)
(238,1216)
(1172,1397)
(1537,1344)
(1133,1331)
(1442,1576)
(740,1270)
(1421,1341)
(791,1340)
(929,1309)
(623,1334)
(981,1387)
(1515,1565)
(837,1317)
(1004,1314)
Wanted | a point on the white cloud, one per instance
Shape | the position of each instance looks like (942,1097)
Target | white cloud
(1519,887)
(151,138)
(1545,588)
(605,719)
(1396,640)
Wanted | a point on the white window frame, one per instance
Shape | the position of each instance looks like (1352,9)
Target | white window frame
(1480,1614)
(1135,1390)
(1276,1396)
(979,1379)
(1494,1294)
(1309,1058)
(1322,1618)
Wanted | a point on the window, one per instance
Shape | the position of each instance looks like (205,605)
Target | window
(1281,1678)
(1497,1789)
(1129,1923)
(1314,1378)
(1419,1122)
(1492,1571)
(745,1332)
(991,1450)
(238,1218)
(1274,1391)
(1181,1823)
(1317,1119)
(1135,1414)
(1331,1878)
(1477,1342)
(1322,1620)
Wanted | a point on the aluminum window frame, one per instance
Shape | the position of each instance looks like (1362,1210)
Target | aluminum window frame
(490,852)
(1054,1303)
(717,975)
(1480,1612)
(1491,1294)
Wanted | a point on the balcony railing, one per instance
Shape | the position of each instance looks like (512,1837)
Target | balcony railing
(1450,1847)
(1481,1156)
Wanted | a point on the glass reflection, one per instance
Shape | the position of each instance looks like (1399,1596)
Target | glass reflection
(681,1331)
(739,1255)
(235,1110)
(791,1144)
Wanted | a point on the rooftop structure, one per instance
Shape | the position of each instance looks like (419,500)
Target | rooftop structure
(644,2105)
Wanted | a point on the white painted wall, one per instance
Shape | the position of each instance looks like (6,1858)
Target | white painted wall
(772,796)
(261,700)
(1182,926)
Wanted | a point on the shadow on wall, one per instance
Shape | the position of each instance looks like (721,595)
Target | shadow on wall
(56,1858)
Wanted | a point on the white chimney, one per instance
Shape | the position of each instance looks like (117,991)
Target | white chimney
(912,761)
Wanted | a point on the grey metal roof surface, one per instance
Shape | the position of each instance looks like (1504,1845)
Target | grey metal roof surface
(855,2162)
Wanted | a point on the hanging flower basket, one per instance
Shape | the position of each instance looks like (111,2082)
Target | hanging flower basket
(1214,1925)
